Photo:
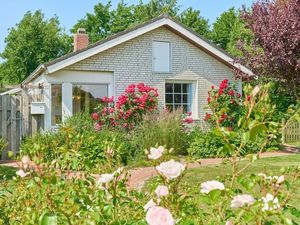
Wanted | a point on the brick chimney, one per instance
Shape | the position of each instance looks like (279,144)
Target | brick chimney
(81,39)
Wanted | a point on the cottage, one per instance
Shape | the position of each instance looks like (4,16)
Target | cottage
(162,53)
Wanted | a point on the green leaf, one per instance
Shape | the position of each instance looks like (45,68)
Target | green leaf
(48,219)
(294,211)
(254,131)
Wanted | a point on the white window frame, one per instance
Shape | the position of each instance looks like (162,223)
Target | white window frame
(193,95)
(170,57)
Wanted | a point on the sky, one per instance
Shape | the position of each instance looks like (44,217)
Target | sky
(70,11)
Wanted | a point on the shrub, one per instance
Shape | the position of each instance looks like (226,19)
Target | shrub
(165,128)
(129,108)
(204,145)
(2,145)
(78,147)
(226,105)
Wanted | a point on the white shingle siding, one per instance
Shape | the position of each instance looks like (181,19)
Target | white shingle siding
(131,62)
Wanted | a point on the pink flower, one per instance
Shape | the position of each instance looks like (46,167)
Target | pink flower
(280,179)
(21,173)
(162,191)
(170,169)
(95,116)
(189,113)
(97,126)
(25,160)
(156,153)
(209,186)
(159,216)
(231,92)
(188,120)
(242,200)
(149,204)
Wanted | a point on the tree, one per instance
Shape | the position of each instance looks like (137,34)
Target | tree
(122,18)
(35,40)
(194,20)
(96,24)
(104,21)
(228,29)
(276,46)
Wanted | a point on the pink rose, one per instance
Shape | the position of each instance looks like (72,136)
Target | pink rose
(159,216)
(170,169)
(242,200)
(95,116)
(156,153)
(162,191)
(149,204)
(21,173)
(209,186)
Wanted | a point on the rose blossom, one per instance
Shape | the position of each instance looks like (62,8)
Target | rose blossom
(162,191)
(280,179)
(105,178)
(156,153)
(270,202)
(21,173)
(159,216)
(25,160)
(242,200)
(149,204)
(170,169)
(228,223)
(209,186)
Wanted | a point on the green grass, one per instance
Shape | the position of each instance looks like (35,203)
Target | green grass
(7,172)
(296,144)
(195,177)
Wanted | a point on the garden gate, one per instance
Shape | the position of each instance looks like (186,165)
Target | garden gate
(290,131)
(16,122)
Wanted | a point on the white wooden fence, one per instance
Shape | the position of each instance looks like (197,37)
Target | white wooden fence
(16,122)
(290,131)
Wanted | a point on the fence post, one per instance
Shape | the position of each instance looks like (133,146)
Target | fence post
(4,123)
(283,131)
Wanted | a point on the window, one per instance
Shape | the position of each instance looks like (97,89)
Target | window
(86,96)
(56,104)
(178,95)
(161,57)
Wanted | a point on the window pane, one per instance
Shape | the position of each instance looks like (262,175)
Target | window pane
(56,104)
(177,88)
(169,98)
(185,98)
(169,88)
(185,88)
(177,98)
(85,97)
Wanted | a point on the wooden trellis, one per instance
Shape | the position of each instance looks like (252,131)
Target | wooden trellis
(290,131)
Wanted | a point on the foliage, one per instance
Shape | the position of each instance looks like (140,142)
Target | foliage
(165,128)
(204,144)
(67,201)
(276,46)
(225,101)
(105,21)
(79,147)
(192,18)
(2,144)
(228,30)
(129,108)
(34,40)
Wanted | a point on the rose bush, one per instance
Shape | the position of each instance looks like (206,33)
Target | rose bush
(129,108)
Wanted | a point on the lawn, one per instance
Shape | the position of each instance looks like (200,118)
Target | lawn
(297,144)
(195,177)
(7,172)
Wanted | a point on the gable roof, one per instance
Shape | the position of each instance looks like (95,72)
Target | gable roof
(162,21)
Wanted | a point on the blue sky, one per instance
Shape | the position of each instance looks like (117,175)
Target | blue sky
(69,11)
